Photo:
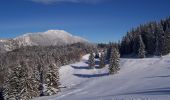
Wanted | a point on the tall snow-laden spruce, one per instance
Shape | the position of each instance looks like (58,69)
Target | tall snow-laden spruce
(39,76)
(12,84)
(114,66)
(102,61)
(52,80)
(30,84)
(141,50)
(20,84)
(91,60)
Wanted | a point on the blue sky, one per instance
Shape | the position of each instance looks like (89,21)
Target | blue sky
(95,20)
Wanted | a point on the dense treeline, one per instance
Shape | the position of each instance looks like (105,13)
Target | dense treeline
(155,36)
(29,72)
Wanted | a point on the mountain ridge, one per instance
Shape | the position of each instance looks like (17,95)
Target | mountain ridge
(47,38)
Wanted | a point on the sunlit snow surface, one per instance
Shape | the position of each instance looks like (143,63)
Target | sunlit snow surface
(138,79)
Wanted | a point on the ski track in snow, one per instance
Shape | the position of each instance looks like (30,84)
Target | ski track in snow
(138,79)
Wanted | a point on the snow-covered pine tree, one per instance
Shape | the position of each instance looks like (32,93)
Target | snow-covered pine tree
(12,84)
(141,50)
(52,80)
(91,60)
(30,84)
(102,61)
(39,76)
(114,61)
(20,84)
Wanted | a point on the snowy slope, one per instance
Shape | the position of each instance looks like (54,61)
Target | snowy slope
(138,79)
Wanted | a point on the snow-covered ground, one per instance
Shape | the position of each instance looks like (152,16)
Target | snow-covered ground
(138,79)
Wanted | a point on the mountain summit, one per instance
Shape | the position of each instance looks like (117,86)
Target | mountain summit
(48,38)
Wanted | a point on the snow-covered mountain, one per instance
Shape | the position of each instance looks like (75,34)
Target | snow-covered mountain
(138,79)
(7,45)
(48,38)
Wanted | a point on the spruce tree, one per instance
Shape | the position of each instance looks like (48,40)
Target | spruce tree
(39,75)
(52,80)
(12,88)
(160,40)
(167,42)
(20,84)
(141,50)
(114,61)
(91,60)
(102,61)
(29,83)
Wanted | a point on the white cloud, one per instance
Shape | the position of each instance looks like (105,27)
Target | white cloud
(72,1)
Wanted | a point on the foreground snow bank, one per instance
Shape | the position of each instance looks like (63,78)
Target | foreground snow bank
(138,79)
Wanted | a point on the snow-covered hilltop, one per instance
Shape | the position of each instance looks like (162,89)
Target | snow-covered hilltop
(48,38)
(138,79)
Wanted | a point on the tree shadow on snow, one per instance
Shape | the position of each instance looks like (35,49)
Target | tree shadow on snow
(158,76)
(81,67)
(156,91)
(86,67)
(96,62)
(167,67)
(97,67)
(91,75)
